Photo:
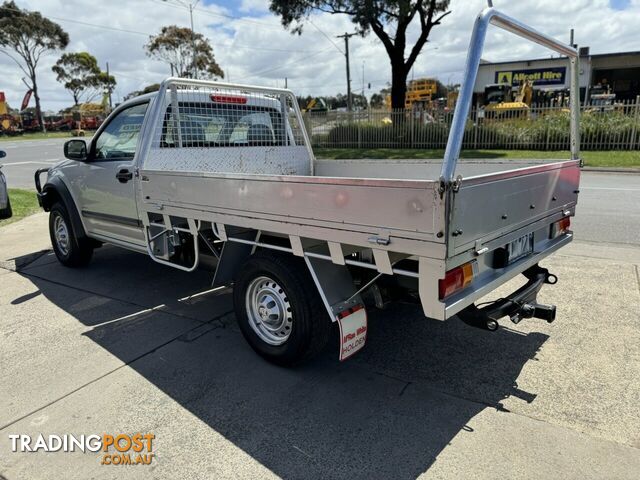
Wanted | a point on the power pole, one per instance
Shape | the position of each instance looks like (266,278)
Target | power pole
(193,40)
(109,89)
(346,37)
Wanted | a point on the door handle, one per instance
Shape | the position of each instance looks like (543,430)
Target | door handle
(124,175)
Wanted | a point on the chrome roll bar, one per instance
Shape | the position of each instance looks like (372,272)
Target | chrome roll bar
(492,16)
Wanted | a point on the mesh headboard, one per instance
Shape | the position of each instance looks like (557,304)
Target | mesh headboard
(199,126)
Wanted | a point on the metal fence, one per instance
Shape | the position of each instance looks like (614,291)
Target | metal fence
(540,127)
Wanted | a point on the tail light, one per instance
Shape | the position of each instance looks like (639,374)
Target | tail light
(560,227)
(455,280)
(235,99)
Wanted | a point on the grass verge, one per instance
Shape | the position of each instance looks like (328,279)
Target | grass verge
(39,136)
(23,204)
(592,159)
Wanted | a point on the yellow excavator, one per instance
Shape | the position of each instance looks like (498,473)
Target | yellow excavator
(501,103)
(316,105)
(9,124)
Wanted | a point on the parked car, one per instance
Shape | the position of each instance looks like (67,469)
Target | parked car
(219,174)
(5,203)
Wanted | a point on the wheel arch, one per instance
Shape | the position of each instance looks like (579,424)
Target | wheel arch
(56,191)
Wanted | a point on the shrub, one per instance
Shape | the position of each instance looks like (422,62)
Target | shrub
(550,131)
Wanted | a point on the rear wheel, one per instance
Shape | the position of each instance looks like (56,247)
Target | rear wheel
(279,310)
(70,250)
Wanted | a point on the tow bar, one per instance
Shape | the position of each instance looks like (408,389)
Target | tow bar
(517,306)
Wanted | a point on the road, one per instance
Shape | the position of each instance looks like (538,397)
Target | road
(24,157)
(127,345)
(608,208)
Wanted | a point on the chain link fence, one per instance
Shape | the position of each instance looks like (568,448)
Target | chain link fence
(604,126)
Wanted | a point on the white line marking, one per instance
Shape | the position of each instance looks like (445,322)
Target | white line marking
(616,189)
(52,160)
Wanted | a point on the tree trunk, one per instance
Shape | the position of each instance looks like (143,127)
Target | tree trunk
(398,91)
(38,108)
(398,86)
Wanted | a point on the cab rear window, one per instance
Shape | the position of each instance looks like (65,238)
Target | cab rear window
(215,125)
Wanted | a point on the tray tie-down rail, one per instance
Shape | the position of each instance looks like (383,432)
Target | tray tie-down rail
(519,305)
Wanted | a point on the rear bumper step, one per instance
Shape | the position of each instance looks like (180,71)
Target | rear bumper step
(517,306)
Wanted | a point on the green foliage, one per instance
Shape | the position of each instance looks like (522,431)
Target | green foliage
(24,37)
(81,75)
(333,102)
(185,51)
(154,87)
(608,158)
(23,204)
(389,20)
(598,131)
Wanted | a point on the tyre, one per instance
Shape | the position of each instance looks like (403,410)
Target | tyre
(71,250)
(279,310)
(6,212)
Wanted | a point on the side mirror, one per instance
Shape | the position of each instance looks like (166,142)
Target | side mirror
(75,150)
(2,154)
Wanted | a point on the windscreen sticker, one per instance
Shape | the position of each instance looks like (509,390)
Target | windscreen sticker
(353,330)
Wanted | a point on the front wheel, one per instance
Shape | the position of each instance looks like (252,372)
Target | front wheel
(279,310)
(70,250)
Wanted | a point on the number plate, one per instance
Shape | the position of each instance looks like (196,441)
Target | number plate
(520,247)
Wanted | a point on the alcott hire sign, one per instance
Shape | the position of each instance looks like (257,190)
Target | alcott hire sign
(538,76)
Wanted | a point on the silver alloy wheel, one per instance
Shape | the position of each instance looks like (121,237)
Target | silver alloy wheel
(61,234)
(269,310)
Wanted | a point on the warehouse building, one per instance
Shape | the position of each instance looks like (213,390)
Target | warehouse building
(618,71)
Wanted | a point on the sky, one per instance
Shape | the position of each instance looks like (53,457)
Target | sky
(252,47)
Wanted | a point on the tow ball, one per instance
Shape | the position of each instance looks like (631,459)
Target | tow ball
(535,310)
(519,305)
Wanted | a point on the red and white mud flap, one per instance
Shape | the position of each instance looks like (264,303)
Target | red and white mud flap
(353,330)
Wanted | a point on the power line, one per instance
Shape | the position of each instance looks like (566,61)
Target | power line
(289,63)
(105,27)
(327,37)
(220,15)
(147,34)
(246,20)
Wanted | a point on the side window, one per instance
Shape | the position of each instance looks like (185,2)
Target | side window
(119,139)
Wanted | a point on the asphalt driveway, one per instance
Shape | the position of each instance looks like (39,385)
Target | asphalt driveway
(127,345)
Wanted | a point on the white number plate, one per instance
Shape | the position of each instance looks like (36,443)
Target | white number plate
(520,247)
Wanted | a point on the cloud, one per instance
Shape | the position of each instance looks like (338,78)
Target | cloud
(254,48)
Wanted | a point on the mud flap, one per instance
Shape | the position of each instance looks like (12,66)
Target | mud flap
(353,331)
(342,302)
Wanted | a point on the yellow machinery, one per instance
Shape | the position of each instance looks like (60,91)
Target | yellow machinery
(9,124)
(316,105)
(420,92)
(501,103)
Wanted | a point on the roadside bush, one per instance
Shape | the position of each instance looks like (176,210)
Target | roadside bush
(599,131)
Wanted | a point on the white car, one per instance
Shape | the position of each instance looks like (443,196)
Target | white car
(5,204)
